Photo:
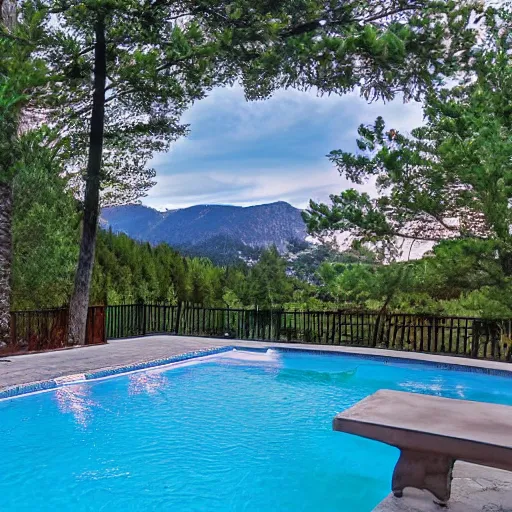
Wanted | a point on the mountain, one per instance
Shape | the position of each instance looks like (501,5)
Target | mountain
(222,233)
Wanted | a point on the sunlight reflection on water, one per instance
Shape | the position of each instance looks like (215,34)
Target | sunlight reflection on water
(76,400)
(149,383)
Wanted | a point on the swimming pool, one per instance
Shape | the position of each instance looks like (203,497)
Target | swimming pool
(237,431)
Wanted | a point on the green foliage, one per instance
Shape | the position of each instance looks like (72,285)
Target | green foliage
(380,47)
(231,299)
(307,263)
(449,179)
(461,278)
(127,271)
(45,228)
(361,285)
(448,182)
(267,283)
(21,72)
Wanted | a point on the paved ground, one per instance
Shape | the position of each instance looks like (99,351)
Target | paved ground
(36,367)
(475,489)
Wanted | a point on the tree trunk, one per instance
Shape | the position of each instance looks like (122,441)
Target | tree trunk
(505,258)
(80,299)
(8,13)
(5,260)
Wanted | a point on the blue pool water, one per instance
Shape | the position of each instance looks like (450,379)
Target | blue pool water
(238,432)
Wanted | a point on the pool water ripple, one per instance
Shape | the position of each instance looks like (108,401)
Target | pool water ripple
(239,432)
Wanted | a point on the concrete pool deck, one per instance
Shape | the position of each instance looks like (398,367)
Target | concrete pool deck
(22,369)
(475,488)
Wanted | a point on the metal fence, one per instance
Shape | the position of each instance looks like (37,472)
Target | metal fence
(471,337)
(33,331)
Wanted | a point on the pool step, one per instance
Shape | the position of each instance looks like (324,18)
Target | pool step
(67,379)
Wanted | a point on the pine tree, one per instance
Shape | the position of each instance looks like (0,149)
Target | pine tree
(146,61)
(20,73)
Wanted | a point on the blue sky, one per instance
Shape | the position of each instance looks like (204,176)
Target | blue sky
(246,153)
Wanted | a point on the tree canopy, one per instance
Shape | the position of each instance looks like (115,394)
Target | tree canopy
(448,182)
(113,78)
(448,179)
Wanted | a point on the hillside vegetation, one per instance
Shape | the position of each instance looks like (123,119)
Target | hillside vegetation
(454,279)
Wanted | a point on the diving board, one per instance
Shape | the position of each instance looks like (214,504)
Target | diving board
(432,433)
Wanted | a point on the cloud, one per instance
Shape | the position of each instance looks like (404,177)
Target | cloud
(295,185)
(244,153)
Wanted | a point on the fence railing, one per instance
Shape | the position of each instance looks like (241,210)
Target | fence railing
(471,337)
(48,330)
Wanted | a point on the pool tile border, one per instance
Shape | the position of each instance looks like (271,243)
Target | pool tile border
(24,389)
(107,372)
(34,387)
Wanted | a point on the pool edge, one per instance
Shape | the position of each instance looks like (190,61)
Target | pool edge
(57,382)
(450,366)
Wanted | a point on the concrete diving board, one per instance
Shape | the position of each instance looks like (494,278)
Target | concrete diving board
(432,433)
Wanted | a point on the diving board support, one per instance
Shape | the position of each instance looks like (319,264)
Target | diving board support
(432,433)
(430,472)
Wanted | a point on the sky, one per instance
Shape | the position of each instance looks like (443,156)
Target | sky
(245,153)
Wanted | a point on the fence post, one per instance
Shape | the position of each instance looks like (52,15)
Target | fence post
(13,329)
(178,314)
(377,328)
(93,321)
(475,337)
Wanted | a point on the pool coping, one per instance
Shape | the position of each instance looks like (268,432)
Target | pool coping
(49,384)
(400,358)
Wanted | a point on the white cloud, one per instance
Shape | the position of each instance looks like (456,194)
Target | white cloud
(294,185)
(246,153)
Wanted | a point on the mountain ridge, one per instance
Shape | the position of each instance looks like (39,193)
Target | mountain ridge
(191,229)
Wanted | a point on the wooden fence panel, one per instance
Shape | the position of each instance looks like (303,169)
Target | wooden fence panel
(34,331)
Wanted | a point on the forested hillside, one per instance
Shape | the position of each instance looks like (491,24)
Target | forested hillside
(224,234)
(452,280)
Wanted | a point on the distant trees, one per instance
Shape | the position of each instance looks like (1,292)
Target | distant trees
(308,263)
(127,272)
(267,282)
